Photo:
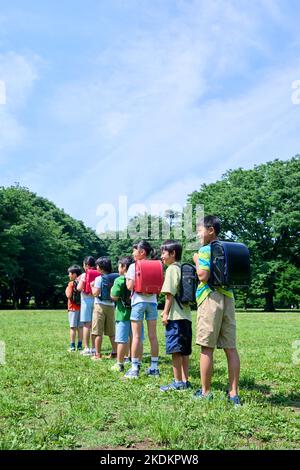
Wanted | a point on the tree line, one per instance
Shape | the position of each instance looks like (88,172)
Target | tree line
(258,207)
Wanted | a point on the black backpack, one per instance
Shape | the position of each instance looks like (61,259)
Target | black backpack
(107,281)
(229,264)
(126,297)
(76,296)
(188,284)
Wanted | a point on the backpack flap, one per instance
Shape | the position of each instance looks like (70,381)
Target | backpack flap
(230,264)
(107,281)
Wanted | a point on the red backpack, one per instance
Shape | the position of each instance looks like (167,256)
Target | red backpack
(149,276)
(90,276)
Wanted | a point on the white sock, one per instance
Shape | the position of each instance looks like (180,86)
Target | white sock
(154,363)
(135,364)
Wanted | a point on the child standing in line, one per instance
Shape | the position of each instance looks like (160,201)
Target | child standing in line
(177,318)
(104,312)
(87,306)
(73,297)
(121,295)
(142,305)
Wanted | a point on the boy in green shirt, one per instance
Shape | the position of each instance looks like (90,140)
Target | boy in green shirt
(177,319)
(120,294)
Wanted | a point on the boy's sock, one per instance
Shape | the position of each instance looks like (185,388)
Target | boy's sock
(79,345)
(154,363)
(135,364)
(72,345)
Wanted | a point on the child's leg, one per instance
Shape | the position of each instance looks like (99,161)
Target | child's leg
(151,324)
(98,343)
(113,344)
(206,368)
(86,334)
(177,366)
(122,349)
(80,334)
(233,361)
(136,339)
(185,368)
(72,335)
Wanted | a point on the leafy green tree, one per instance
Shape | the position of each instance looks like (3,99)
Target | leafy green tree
(260,207)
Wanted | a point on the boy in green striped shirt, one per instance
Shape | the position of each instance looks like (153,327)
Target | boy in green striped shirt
(216,326)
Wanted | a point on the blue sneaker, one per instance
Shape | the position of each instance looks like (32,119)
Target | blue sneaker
(153,372)
(132,374)
(173,386)
(198,395)
(187,384)
(235,400)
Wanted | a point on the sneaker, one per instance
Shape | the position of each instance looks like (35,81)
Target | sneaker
(86,352)
(153,372)
(79,348)
(72,349)
(187,384)
(127,360)
(117,368)
(132,374)
(235,400)
(198,395)
(173,386)
(93,351)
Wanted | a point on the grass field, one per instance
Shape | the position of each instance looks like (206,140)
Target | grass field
(51,399)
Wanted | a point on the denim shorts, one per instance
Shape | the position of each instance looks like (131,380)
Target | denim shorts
(74,319)
(123,331)
(86,308)
(141,309)
(179,337)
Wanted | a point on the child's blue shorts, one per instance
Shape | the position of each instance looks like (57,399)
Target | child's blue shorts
(179,337)
(86,308)
(144,309)
(123,331)
(74,319)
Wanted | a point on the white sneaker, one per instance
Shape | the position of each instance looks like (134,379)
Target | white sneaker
(93,351)
(86,352)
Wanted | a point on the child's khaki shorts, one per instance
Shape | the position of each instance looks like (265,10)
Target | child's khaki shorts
(216,325)
(103,320)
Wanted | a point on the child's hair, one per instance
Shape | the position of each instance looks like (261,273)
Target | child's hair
(89,261)
(126,261)
(170,246)
(211,221)
(144,245)
(75,269)
(104,264)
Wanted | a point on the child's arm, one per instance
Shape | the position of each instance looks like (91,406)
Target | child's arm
(203,275)
(167,308)
(96,291)
(69,290)
(130,284)
(81,283)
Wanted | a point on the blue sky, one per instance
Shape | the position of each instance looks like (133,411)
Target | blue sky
(143,98)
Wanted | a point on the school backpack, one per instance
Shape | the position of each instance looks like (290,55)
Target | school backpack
(149,276)
(90,276)
(107,281)
(229,264)
(126,297)
(76,296)
(188,284)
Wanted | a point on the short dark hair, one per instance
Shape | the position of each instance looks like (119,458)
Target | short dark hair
(126,261)
(211,221)
(89,261)
(104,264)
(170,246)
(75,269)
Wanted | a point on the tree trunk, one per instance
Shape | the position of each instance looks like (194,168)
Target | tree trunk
(269,306)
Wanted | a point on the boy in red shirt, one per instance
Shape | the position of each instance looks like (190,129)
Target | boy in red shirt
(73,297)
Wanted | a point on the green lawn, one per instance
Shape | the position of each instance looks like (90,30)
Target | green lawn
(51,399)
